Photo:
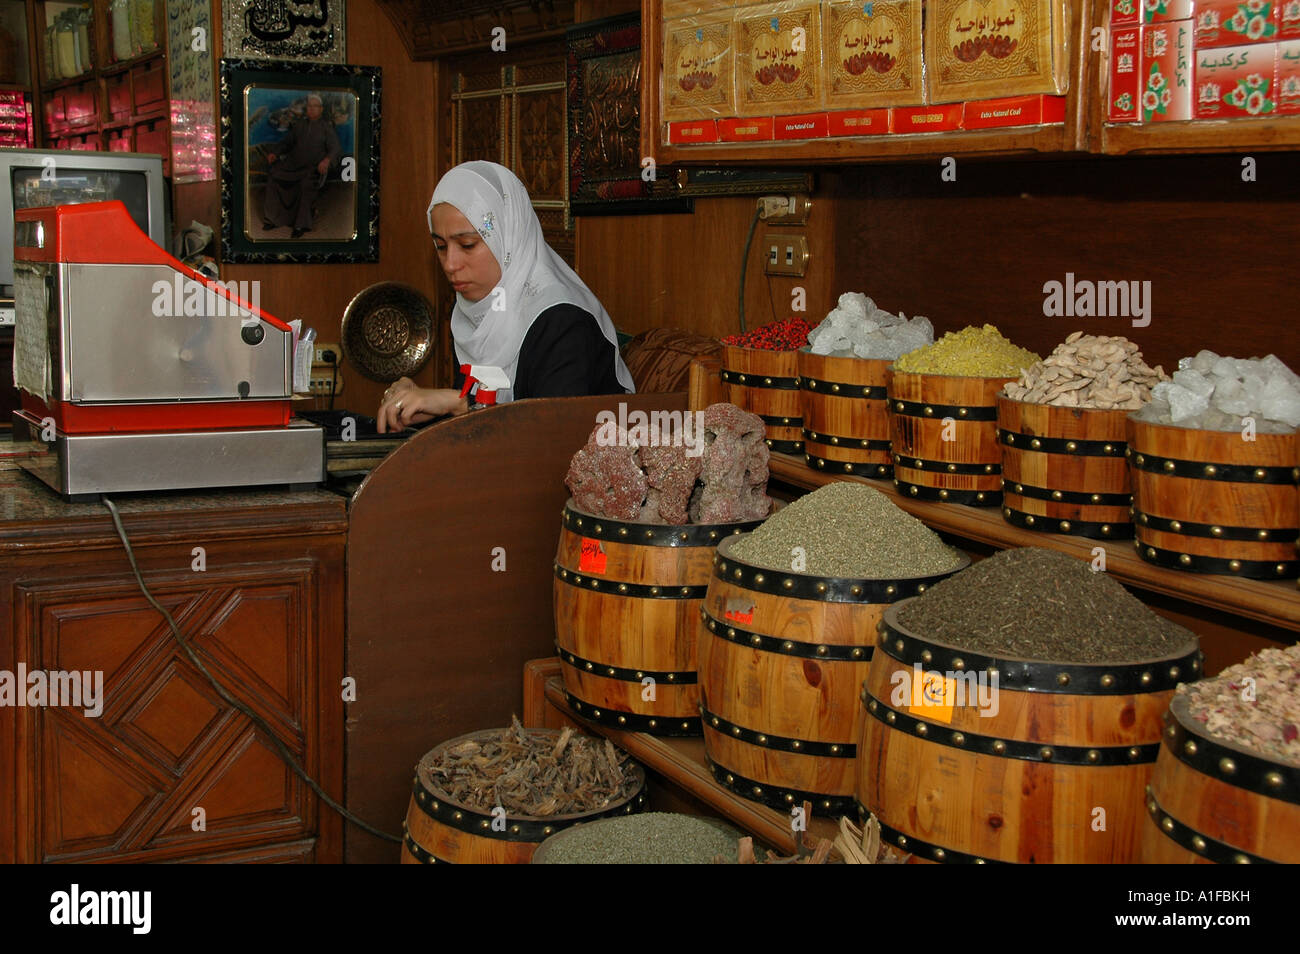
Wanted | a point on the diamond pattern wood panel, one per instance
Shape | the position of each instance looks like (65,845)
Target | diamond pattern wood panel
(166,743)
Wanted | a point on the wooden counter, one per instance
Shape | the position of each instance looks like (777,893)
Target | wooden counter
(168,771)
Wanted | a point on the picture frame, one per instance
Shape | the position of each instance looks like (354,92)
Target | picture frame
(280,201)
(606,173)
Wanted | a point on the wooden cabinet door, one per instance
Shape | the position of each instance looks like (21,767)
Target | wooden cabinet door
(168,769)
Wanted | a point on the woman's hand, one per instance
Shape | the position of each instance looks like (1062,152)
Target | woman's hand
(405,404)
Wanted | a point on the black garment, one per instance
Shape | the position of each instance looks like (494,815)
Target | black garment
(293,182)
(564,354)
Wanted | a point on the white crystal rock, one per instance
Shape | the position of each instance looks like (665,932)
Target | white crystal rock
(1194,382)
(1184,404)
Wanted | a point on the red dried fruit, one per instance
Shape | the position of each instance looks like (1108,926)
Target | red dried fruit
(1289,732)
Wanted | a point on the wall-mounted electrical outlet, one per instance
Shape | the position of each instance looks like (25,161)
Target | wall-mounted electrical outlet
(320,383)
(323,351)
(787,254)
(784,209)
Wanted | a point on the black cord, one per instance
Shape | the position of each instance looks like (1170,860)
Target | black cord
(334,376)
(744,263)
(285,755)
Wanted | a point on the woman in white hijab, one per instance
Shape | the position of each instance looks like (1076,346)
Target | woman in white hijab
(519,307)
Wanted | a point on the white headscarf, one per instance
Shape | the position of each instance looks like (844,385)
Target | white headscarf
(533,276)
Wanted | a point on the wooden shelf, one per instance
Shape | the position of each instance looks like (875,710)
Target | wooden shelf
(992,142)
(682,762)
(1276,603)
(85,77)
(1224,135)
(122,66)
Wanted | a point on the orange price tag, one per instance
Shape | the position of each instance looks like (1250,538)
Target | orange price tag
(591,558)
(934,698)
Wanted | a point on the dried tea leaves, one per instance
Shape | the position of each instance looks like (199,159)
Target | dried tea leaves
(849,530)
(1254,704)
(1041,604)
(534,774)
(654,838)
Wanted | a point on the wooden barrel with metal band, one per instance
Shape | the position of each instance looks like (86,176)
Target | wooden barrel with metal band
(1210,801)
(440,830)
(766,383)
(1216,501)
(627,604)
(945,437)
(1064,470)
(845,410)
(782,656)
(1046,764)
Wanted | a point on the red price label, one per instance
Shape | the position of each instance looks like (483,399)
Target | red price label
(591,558)
(739,611)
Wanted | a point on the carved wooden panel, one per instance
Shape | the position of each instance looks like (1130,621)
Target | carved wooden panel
(432,28)
(540,145)
(125,784)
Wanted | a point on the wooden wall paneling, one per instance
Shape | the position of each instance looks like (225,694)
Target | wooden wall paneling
(683,271)
(981,249)
(437,640)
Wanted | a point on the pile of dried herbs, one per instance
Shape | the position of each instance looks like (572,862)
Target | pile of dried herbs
(533,774)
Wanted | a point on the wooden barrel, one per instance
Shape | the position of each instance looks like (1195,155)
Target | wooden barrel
(845,408)
(945,437)
(1064,470)
(440,830)
(627,608)
(1048,764)
(1213,502)
(782,656)
(1211,801)
(766,383)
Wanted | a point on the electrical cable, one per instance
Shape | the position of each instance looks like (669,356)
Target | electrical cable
(285,755)
(744,261)
(334,377)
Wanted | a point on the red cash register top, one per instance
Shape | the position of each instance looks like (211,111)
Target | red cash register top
(104,233)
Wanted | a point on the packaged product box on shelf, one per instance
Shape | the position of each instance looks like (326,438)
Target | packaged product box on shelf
(1013,111)
(778,59)
(1288,78)
(873,53)
(1166,11)
(1234,22)
(698,68)
(1167,72)
(926,119)
(983,50)
(1289,20)
(858,122)
(1233,81)
(693,130)
(753,129)
(1125,12)
(1125,90)
(804,126)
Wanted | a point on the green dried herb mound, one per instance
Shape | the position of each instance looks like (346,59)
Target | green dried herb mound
(1039,604)
(655,838)
(846,530)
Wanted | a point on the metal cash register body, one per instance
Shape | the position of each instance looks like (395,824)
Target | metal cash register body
(138,373)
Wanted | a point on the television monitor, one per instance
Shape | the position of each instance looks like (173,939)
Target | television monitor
(44,177)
